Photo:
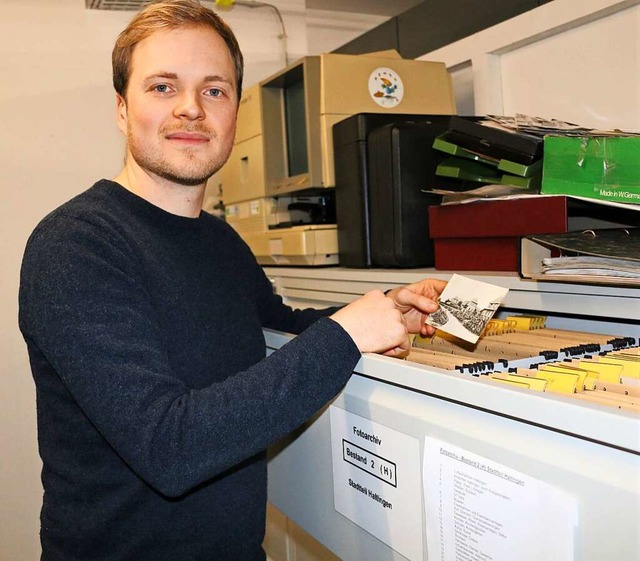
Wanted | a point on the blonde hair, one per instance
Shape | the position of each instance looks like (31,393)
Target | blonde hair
(167,15)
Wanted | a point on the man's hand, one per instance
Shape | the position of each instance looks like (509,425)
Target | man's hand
(375,324)
(381,324)
(416,301)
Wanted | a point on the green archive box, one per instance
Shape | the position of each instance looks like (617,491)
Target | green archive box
(596,167)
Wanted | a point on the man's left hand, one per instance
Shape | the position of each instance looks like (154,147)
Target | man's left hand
(416,301)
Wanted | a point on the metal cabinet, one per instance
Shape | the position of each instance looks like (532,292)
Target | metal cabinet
(589,452)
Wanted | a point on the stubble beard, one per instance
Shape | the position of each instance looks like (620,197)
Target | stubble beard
(189,172)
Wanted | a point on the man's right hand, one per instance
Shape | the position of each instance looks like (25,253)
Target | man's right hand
(375,324)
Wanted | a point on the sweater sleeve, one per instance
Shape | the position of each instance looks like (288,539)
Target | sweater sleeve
(87,320)
(274,313)
(277,315)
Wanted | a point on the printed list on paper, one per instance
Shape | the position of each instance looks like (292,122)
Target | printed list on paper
(479,510)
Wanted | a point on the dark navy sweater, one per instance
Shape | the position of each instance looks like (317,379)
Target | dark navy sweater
(155,400)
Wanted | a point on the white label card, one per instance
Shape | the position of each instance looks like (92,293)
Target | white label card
(376,480)
(479,510)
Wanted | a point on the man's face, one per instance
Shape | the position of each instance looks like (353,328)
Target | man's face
(179,115)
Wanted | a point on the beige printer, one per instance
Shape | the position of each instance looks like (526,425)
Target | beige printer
(277,186)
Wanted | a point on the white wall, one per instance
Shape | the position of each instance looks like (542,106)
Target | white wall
(57,136)
(574,60)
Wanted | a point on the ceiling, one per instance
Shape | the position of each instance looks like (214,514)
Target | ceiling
(388,8)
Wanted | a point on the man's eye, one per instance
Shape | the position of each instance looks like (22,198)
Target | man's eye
(214,92)
(161,88)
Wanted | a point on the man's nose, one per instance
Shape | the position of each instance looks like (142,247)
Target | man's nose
(189,106)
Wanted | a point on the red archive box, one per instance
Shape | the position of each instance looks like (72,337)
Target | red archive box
(485,235)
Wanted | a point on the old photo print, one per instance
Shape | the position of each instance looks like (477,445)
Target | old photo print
(466,305)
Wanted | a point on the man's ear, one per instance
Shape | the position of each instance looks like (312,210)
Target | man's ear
(121,113)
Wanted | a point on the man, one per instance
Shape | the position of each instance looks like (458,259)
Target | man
(143,318)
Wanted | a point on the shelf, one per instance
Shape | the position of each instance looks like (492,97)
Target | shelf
(341,285)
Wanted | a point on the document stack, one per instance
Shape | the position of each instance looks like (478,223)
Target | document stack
(610,256)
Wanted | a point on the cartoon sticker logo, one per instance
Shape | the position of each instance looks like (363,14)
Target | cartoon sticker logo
(385,87)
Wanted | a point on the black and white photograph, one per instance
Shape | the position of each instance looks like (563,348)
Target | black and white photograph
(466,305)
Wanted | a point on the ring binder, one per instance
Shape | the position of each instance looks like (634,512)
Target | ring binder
(609,256)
